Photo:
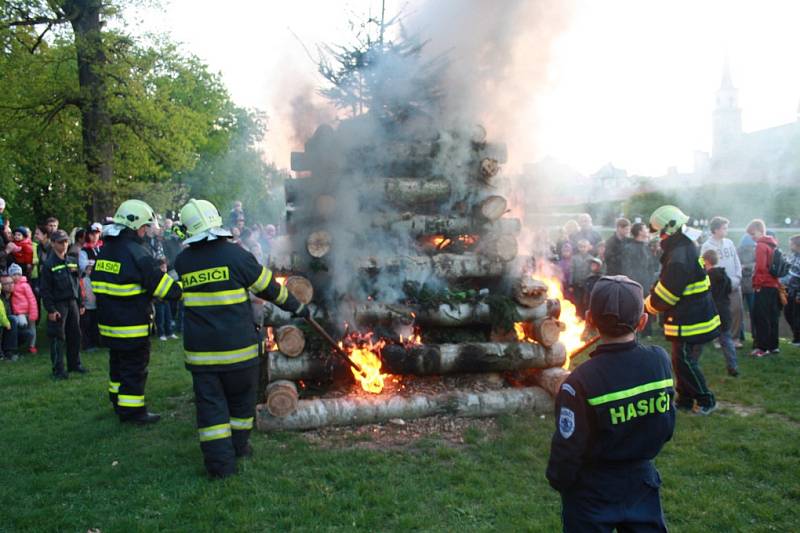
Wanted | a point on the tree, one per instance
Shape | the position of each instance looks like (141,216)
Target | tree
(144,112)
(164,109)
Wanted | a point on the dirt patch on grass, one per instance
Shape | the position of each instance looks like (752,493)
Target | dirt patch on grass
(749,410)
(403,434)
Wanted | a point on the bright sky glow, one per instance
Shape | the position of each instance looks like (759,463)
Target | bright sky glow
(633,81)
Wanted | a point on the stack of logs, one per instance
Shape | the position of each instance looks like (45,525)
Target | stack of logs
(457,235)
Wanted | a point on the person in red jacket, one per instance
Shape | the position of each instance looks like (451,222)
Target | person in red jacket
(24,306)
(23,249)
(767,307)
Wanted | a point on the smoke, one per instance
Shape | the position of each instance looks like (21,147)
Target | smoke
(482,64)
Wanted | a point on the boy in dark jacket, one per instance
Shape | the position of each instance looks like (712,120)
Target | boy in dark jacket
(721,293)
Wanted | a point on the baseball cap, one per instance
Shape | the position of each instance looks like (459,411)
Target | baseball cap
(616,305)
(59,235)
(96,227)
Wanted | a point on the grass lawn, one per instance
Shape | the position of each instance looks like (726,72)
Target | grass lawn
(68,465)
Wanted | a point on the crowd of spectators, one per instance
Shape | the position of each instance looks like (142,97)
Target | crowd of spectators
(746,279)
(23,250)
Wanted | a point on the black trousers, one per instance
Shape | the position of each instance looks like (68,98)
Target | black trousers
(792,314)
(65,333)
(226,404)
(127,376)
(621,499)
(90,334)
(766,317)
(690,382)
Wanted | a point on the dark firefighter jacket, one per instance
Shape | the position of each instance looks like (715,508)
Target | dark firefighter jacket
(219,328)
(125,280)
(59,281)
(614,411)
(683,293)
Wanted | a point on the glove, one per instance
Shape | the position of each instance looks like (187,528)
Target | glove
(302,312)
(22,321)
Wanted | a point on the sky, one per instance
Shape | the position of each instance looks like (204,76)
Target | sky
(630,82)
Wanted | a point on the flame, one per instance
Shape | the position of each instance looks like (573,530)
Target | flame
(571,336)
(364,353)
(414,339)
(269,340)
(469,240)
(440,242)
(280,280)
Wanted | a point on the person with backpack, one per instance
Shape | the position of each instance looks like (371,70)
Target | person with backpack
(766,286)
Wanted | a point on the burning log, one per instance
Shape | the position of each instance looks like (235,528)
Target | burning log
(529,291)
(321,412)
(464,358)
(290,340)
(545,331)
(446,315)
(431,359)
(281,398)
(550,379)
(447,226)
(318,243)
(492,207)
(444,266)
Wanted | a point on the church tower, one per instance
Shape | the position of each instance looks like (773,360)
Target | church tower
(727,117)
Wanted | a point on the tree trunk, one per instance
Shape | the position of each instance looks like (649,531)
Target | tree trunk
(318,244)
(492,207)
(98,148)
(502,247)
(447,226)
(300,288)
(355,410)
(444,266)
(422,360)
(412,191)
(445,315)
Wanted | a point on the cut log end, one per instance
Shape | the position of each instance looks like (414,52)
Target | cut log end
(318,244)
(493,207)
(300,288)
(290,340)
(489,168)
(281,398)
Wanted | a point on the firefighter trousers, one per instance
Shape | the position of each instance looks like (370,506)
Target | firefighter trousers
(690,382)
(226,403)
(127,375)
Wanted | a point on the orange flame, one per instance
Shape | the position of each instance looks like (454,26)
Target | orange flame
(364,353)
(571,336)
(269,340)
(280,280)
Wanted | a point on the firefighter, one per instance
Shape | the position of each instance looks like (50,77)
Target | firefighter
(125,280)
(220,339)
(62,301)
(683,294)
(614,413)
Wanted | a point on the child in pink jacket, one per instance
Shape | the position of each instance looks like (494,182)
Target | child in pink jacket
(24,306)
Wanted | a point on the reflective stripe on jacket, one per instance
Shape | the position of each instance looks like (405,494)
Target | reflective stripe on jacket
(683,293)
(125,279)
(219,329)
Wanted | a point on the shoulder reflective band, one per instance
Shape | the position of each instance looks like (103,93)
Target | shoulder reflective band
(689,330)
(57,268)
(127,400)
(163,286)
(665,295)
(202,299)
(209,275)
(263,280)
(648,305)
(282,296)
(113,387)
(697,288)
(241,424)
(220,431)
(116,289)
(222,358)
(124,332)
(627,393)
(104,265)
